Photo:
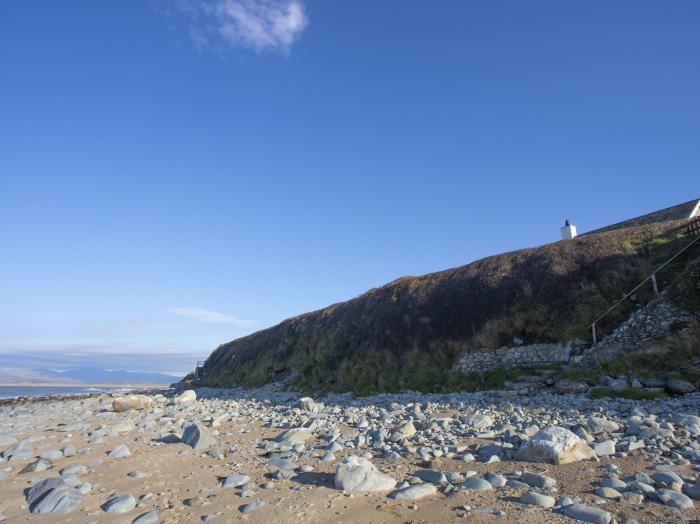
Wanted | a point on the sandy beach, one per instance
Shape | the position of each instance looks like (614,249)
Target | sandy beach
(184,483)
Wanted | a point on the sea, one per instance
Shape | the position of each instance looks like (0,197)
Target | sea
(45,391)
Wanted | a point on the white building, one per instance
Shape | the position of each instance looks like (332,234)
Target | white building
(568,231)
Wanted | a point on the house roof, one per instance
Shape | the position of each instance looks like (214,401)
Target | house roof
(685,211)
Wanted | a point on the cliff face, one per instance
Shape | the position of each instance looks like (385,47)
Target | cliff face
(410,332)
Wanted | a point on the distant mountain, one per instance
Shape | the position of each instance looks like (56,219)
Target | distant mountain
(84,375)
(97,375)
(33,375)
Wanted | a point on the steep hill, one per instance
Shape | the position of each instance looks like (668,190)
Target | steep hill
(410,332)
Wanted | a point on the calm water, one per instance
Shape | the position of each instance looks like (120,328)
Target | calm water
(43,391)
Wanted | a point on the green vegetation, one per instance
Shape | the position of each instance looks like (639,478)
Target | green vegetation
(675,357)
(631,394)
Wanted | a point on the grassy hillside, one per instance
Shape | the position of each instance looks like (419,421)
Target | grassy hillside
(409,333)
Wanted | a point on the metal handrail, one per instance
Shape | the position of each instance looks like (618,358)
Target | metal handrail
(197,368)
(654,284)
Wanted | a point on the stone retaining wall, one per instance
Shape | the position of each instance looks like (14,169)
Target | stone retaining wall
(509,357)
(647,324)
(650,322)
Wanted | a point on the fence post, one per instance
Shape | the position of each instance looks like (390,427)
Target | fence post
(595,338)
(654,284)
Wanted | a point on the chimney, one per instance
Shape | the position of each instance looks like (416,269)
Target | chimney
(568,231)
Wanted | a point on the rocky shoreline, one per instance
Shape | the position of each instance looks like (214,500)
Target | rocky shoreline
(137,390)
(264,455)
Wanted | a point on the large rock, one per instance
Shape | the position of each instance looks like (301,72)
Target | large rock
(150,517)
(477,484)
(692,490)
(477,421)
(132,402)
(37,466)
(587,514)
(120,451)
(251,506)
(431,475)
(359,474)
(674,498)
(690,423)
(21,450)
(402,431)
(617,385)
(119,504)
(568,386)
(309,404)
(53,496)
(536,499)
(197,436)
(555,445)
(235,480)
(185,397)
(602,425)
(538,480)
(415,492)
(291,437)
(680,387)
(604,448)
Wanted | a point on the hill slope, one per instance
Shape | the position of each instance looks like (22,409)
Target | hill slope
(410,332)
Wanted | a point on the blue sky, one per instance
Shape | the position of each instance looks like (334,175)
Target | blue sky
(174,175)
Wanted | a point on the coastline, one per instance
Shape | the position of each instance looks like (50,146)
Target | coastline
(86,393)
(83,384)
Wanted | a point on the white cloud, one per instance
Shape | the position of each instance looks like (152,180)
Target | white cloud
(262,25)
(211,317)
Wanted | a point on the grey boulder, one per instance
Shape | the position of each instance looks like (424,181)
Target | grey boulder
(674,498)
(536,499)
(53,496)
(235,480)
(251,506)
(415,492)
(119,504)
(680,387)
(120,451)
(21,450)
(150,517)
(197,436)
(431,475)
(587,514)
(36,466)
(538,480)
(477,484)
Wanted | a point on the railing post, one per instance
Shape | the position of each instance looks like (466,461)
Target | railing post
(654,284)
(595,338)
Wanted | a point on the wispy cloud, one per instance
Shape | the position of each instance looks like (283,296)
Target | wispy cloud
(211,317)
(262,25)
